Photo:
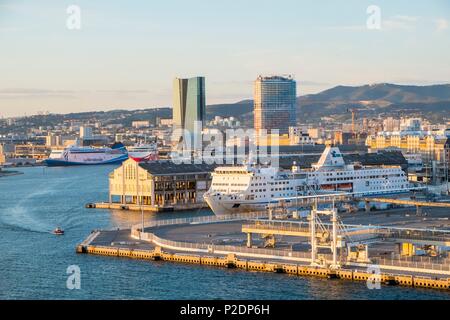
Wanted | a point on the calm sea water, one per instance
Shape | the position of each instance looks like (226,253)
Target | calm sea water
(33,262)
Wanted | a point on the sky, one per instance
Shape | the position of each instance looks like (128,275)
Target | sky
(126,53)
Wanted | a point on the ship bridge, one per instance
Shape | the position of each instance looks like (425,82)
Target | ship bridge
(331,157)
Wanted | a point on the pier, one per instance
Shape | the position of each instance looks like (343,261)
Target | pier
(146,208)
(329,248)
(413,203)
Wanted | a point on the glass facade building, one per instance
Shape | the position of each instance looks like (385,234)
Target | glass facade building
(275,103)
(189,103)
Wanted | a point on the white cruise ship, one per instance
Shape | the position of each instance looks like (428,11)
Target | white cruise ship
(76,156)
(252,187)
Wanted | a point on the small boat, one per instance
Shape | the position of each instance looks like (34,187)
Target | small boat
(58,231)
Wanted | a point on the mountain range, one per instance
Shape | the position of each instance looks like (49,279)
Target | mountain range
(383,92)
(432,101)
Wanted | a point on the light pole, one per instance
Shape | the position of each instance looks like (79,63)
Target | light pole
(142,210)
(139,198)
(446,168)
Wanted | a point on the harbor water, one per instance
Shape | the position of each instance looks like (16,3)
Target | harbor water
(34,262)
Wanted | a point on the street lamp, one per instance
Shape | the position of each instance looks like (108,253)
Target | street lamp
(139,198)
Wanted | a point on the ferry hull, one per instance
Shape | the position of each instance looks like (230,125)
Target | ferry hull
(143,158)
(228,207)
(64,163)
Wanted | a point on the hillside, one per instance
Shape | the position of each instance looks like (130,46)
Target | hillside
(370,100)
(230,110)
(383,92)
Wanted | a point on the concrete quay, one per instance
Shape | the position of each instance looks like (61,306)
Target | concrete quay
(217,242)
(146,208)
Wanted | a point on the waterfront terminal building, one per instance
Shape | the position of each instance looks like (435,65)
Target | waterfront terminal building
(160,185)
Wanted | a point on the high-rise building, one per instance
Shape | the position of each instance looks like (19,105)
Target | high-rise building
(2,155)
(391,124)
(85,132)
(53,140)
(275,103)
(411,124)
(189,102)
(140,124)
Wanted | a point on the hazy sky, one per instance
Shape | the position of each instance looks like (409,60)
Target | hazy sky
(127,52)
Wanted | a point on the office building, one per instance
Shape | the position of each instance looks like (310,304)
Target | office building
(391,124)
(189,103)
(2,155)
(140,124)
(85,132)
(297,136)
(32,151)
(430,146)
(411,124)
(53,140)
(275,101)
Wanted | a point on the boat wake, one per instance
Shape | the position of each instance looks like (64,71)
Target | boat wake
(17,228)
(23,215)
(49,203)
(18,219)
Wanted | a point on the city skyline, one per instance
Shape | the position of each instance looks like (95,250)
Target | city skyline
(126,58)
(220,156)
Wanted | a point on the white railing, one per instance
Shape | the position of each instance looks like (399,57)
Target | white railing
(412,264)
(273,225)
(305,256)
(90,238)
(204,247)
(423,259)
(201,220)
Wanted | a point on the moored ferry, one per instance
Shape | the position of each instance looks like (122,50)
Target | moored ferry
(143,152)
(253,187)
(75,155)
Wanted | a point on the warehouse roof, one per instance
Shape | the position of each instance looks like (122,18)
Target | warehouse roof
(309,149)
(169,167)
(366,159)
(378,158)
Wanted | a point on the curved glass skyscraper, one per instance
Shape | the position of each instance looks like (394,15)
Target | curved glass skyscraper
(275,103)
(189,103)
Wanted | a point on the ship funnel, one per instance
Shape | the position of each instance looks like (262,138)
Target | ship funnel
(295,168)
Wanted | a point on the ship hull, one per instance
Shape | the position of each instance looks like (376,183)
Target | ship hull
(228,207)
(222,208)
(142,156)
(66,163)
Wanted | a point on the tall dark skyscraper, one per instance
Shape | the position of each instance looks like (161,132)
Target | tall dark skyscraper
(189,102)
(275,103)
